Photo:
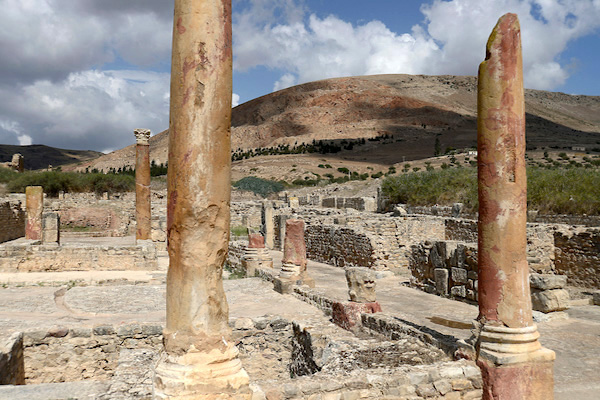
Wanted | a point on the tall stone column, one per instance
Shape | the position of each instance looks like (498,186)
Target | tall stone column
(513,363)
(294,250)
(268,224)
(143,209)
(199,361)
(34,205)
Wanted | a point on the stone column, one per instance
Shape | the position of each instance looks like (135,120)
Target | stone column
(143,209)
(256,255)
(513,363)
(199,361)
(268,225)
(294,250)
(34,204)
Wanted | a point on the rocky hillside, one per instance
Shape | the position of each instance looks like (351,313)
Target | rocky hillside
(414,110)
(38,156)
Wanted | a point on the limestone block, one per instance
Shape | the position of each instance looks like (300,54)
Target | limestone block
(547,281)
(441,281)
(597,297)
(51,228)
(361,285)
(459,275)
(458,291)
(550,300)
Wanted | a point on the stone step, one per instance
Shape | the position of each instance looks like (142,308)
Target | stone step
(56,391)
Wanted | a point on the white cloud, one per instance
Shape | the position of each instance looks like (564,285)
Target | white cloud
(452,40)
(91,109)
(235,100)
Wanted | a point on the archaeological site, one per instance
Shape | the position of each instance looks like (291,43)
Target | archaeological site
(187,291)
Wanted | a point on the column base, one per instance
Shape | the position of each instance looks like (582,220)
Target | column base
(214,375)
(514,365)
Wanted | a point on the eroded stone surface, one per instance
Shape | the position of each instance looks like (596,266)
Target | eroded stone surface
(35,208)
(361,285)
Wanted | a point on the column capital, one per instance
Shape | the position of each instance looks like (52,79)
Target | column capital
(142,136)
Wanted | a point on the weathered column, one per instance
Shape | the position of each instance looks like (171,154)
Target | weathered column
(34,205)
(513,363)
(199,361)
(256,255)
(268,225)
(294,250)
(143,209)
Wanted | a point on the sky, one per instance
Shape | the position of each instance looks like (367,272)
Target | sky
(83,74)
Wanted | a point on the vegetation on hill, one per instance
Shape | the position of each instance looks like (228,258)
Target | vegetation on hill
(573,190)
(262,187)
(54,182)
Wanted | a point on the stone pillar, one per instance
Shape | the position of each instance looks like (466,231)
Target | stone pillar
(51,228)
(268,225)
(143,209)
(34,204)
(199,361)
(513,363)
(294,250)
(18,162)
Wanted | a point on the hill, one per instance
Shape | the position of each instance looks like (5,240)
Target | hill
(39,156)
(410,111)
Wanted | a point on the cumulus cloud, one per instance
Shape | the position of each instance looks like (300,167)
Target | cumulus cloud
(89,110)
(451,40)
(235,100)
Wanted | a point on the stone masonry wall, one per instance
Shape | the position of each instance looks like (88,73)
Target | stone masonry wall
(26,257)
(338,245)
(12,221)
(578,255)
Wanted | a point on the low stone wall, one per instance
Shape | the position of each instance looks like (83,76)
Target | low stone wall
(236,251)
(12,221)
(12,367)
(31,257)
(368,204)
(578,255)
(62,354)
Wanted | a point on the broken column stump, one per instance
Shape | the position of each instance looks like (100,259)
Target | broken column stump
(256,255)
(199,359)
(143,209)
(363,300)
(293,268)
(513,363)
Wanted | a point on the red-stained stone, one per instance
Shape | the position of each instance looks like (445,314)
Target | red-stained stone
(347,314)
(256,241)
(34,204)
(294,247)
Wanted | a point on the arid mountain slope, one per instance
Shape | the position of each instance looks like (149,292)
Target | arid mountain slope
(38,156)
(414,109)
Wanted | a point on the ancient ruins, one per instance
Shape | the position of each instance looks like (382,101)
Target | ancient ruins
(149,296)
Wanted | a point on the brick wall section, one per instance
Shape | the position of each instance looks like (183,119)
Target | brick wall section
(578,255)
(12,221)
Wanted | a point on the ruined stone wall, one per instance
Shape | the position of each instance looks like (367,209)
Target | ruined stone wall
(368,204)
(62,354)
(578,255)
(236,251)
(339,246)
(12,220)
(39,258)
(246,214)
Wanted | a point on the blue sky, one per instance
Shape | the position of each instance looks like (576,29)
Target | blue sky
(84,74)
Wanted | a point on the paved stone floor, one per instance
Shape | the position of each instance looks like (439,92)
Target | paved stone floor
(42,300)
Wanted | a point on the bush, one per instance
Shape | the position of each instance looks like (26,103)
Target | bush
(262,187)
(574,190)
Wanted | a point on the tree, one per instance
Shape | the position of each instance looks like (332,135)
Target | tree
(438,147)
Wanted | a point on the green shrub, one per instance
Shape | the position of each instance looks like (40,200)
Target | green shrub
(54,182)
(262,187)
